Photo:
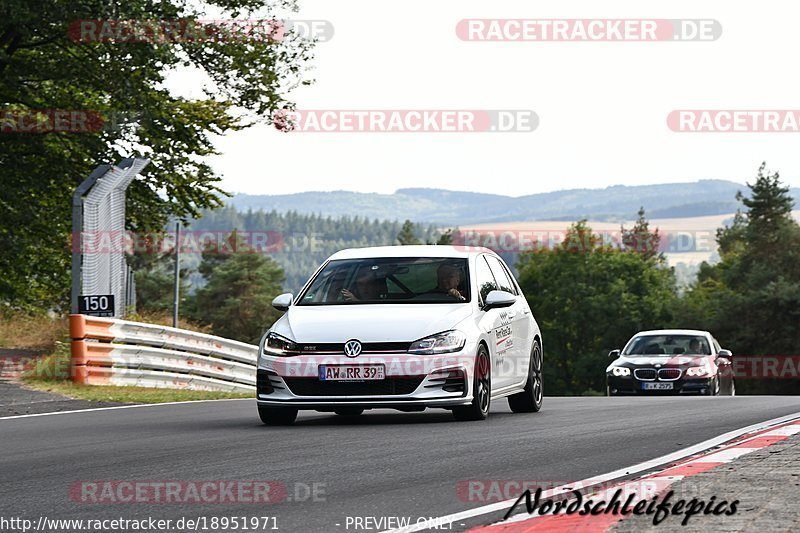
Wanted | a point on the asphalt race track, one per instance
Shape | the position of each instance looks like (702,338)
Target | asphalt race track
(383,464)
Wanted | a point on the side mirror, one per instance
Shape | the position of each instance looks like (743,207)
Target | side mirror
(727,354)
(613,354)
(498,299)
(282,302)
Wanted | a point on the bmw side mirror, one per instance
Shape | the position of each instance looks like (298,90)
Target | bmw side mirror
(613,354)
(498,299)
(282,302)
(727,354)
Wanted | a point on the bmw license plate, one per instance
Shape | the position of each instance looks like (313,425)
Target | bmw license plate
(351,372)
(656,386)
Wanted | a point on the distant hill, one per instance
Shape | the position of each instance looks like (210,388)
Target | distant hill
(616,203)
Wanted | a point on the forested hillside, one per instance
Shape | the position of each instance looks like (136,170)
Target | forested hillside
(305,240)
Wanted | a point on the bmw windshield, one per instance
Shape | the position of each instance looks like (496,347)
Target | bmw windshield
(389,280)
(667,345)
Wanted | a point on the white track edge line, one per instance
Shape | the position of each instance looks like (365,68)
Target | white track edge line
(93,409)
(646,465)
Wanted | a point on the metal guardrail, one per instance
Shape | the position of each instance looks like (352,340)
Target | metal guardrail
(109,351)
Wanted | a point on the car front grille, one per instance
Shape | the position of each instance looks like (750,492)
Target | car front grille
(663,374)
(669,374)
(383,387)
(309,348)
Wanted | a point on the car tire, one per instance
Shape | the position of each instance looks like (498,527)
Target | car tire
(730,390)
(530,400)
(478,409)
(348,411)
(277,416)
(715,388)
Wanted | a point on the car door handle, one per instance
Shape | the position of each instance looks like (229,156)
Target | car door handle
(527,311)
(511,315)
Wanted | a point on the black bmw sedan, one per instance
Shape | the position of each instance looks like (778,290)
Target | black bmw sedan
(671,361)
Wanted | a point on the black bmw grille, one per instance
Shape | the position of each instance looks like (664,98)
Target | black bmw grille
(669,373)
(389,386)
(646,374)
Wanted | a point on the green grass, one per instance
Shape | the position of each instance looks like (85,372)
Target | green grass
(52,374)
(108,393)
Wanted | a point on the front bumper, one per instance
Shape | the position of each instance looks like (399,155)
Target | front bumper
(631,386)
(412,382)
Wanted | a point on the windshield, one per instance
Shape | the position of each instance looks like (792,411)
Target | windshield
(390,280)
(668,345)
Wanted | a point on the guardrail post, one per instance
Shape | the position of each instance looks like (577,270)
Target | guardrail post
(77,332)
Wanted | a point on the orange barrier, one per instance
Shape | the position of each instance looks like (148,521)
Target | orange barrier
(82,327)
(107,351)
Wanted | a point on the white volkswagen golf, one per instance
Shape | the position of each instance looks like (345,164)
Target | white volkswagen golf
(402,327)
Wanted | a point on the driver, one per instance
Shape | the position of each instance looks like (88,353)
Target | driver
(366,288)
(694,346)
(449,277)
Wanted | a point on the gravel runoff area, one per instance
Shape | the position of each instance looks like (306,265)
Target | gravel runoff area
(16,399)
(766,482)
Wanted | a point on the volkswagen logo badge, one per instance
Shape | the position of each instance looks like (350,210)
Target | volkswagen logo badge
(352,348)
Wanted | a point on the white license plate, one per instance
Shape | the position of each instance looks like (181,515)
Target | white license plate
(351,372)
(656,386)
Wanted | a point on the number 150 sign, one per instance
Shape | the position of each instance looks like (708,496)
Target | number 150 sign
(96,305)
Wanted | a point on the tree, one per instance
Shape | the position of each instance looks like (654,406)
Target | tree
(237,299)
(407,235)
(590,298)
(445,238)
(640,238)
(769,206)
(302,242)
(120,86)
(751,298)
(154,272)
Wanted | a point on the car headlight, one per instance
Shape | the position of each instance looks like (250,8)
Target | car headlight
(697,371)
(620,371)
(445,342)
(280,346)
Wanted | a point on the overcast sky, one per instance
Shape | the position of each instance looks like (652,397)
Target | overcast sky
(602,105)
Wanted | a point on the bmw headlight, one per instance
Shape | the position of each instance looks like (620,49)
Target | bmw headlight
(697,371)
(280,346)
(445,342)
(621,371)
